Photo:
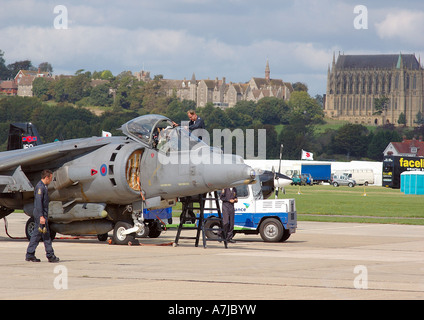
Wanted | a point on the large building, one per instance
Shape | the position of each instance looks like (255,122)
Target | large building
(355,81)
(223,94)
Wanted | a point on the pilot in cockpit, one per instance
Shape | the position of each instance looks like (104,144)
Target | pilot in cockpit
(162,137)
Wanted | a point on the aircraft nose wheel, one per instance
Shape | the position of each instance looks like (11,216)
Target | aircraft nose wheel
(118,233)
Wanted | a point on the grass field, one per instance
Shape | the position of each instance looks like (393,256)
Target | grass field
(366,205)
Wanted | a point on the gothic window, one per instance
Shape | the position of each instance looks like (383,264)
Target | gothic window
(376,83)
(370,84)
(383,84)
(414,82)
(344,84)
(397,82)
(357,84)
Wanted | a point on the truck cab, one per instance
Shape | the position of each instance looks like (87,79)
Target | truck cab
(274,219)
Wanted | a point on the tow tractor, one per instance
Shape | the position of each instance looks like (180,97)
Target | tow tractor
(274,219)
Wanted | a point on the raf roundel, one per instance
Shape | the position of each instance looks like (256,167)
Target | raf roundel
(103,170)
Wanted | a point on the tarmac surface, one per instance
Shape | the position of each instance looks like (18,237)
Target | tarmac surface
(321,261)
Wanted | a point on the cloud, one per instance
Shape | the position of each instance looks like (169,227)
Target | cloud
(231,39)
(103,47)
(404,25)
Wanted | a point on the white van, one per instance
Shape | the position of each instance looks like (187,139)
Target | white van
(361,176)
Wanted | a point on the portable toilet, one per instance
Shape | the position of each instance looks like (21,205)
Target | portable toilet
(412,182)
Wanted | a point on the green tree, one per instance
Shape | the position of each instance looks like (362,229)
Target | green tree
(381,105)
(40,88)
(57,90)
(304,109)
(123,83)
(402,119)
(245,107)
(106,75)
(4,72)
(351,140)
(379,141)
(295,138)
(19,65)
(177,110)
(45,67)
(300,86)
(154,97)
(238,120)
(77,87)
(99,95)
(271,110)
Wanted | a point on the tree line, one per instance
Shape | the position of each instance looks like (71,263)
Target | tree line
(295,124)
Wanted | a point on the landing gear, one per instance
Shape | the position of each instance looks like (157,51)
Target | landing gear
(121,235)
(124,232)
(30,226)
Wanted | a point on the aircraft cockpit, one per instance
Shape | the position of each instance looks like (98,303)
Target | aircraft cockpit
(161,133)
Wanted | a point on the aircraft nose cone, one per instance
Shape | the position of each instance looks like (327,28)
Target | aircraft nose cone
(228,174)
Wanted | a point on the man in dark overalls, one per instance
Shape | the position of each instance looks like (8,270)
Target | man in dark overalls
(40,214)
(195,122)
(228,197)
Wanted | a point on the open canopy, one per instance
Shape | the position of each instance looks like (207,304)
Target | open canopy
(159,132)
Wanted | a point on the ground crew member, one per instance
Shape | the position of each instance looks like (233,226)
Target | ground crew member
(195,122)
(228,197)
(40,214)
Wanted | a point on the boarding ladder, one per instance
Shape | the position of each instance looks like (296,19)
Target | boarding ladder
(187,216)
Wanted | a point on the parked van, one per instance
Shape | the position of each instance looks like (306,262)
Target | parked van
(361,176)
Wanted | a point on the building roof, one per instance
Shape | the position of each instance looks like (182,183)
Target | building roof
(407,147)
(8,84)
(378,61)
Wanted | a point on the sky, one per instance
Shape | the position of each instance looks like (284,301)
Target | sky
(211,38)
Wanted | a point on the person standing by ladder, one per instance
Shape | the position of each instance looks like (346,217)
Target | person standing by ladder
(228,197)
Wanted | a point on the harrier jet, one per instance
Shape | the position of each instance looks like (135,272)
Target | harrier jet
(107,183)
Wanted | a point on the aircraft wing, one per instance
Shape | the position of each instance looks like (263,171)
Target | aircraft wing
(14,163)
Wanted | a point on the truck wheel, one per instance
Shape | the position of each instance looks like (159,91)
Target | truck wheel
(271,230)
(286,235)
(335,184)
(350,185)
(212,224)
(155,230)
(118,237)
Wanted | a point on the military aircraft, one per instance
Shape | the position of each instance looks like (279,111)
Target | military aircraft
(106,183)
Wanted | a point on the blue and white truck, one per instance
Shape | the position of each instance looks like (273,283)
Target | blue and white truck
(274,219)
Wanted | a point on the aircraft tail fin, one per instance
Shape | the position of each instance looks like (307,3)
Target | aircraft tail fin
(22,136)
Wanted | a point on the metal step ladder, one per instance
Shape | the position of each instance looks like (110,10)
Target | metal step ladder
(188,216)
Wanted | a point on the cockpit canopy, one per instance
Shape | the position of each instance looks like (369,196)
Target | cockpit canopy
(159,132)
